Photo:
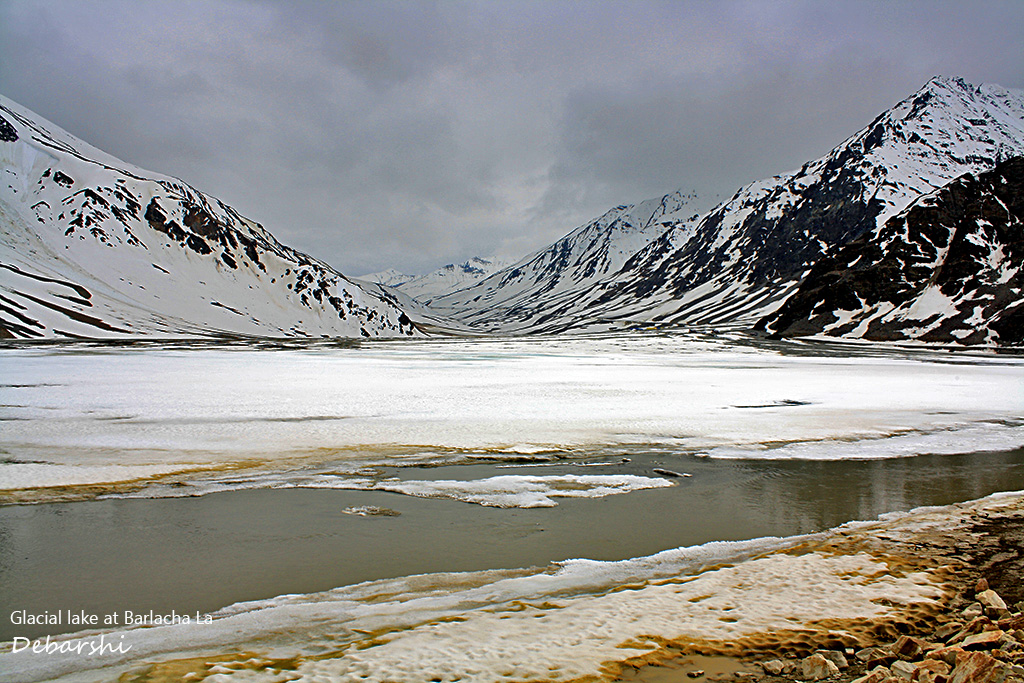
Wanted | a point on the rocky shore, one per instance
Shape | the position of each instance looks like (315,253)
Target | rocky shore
(984,643)
(976,637)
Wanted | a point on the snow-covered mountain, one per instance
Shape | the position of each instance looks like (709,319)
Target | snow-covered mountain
(520,296)
(389,277)
(739,261)
(949,268)
(445,279)
(93,247)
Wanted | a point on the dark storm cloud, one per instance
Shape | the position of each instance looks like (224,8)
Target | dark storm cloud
(409,134)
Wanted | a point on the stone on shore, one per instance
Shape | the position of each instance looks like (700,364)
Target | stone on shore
(903,669)
(947,654)
(990,599)
(817,667)
(978,667)
(908,648)
(834,656)
(876,675)
(986,640)
(946,630)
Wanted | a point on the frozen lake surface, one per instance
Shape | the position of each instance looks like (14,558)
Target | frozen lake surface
(163,420)
(195,476)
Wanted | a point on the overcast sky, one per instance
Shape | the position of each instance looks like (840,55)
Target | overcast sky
(413,134)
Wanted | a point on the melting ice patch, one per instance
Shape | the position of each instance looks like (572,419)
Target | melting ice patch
(507,491)
(968,438)
(512,491)
(26,475)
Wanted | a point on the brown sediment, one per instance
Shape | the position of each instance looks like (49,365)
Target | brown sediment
(199,668)
(71,493)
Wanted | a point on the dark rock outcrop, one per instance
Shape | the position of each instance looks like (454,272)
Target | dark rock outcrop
(950,268)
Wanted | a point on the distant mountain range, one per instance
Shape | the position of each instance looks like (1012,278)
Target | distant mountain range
(540,292)
(445,279)
(909,229)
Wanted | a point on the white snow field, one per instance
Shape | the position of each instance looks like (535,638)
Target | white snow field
(185,420)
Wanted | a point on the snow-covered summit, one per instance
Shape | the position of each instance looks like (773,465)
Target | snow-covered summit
(91,246)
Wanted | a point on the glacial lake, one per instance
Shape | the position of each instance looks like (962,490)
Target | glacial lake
(190,476)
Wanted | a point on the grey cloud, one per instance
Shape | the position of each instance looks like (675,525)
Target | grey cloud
(410,134)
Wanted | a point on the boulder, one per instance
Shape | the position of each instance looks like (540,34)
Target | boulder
(816,667)
(989,598)
(978,667)
(931,671)
(973,610)
(876,675)
(908,648)
(834,656)
(773,667)
(986,640)
(925,676)
(947,654)
(946,630)
(936,666)
(870,653)
(903,669)
(981,586)
(976,625)
(1010,624)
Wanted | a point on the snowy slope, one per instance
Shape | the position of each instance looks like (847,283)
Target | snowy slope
(93,247)
(950,268)
(520,295)
(445,279)
(738,262)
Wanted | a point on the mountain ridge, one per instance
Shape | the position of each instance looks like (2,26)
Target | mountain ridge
(947,269)
(95,247)
(92,246)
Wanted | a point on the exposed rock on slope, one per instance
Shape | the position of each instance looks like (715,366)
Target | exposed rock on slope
(93,247)
(947,269)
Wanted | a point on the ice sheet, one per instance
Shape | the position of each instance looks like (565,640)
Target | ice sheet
(78,412)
